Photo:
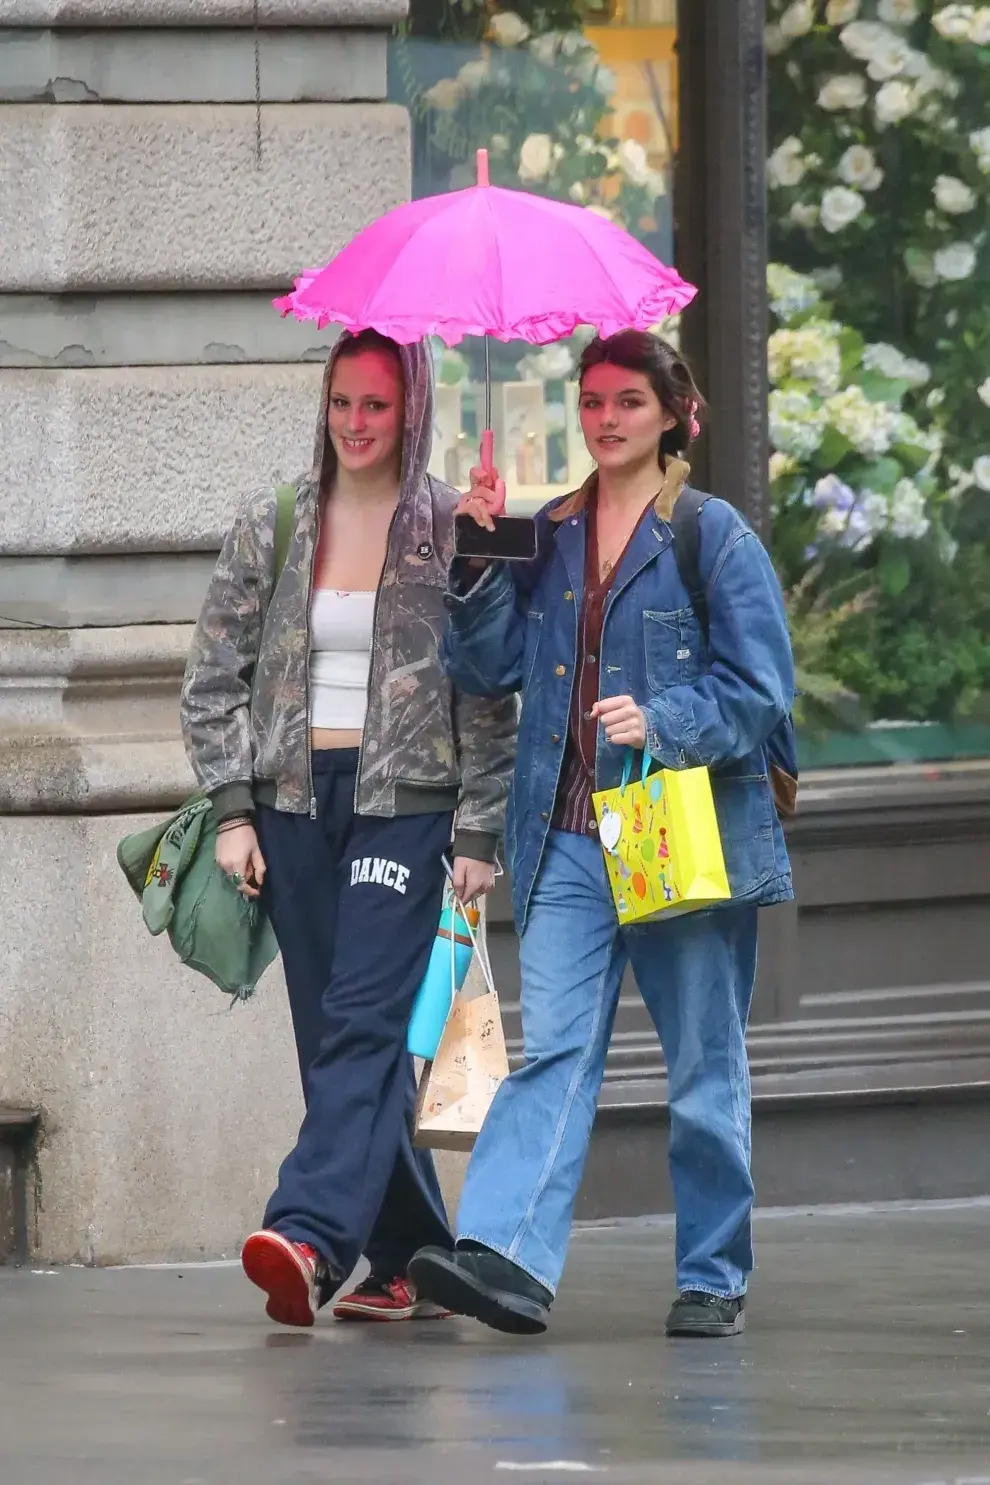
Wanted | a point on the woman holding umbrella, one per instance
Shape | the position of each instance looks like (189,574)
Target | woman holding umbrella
(343,766)
(599,636)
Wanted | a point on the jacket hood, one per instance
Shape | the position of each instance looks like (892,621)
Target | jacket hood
(417,437)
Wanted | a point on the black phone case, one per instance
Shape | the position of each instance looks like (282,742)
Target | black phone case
(513,540)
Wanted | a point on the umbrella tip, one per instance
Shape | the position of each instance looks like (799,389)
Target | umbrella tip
(482,159)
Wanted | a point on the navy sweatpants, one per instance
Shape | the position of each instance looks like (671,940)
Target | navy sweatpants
(355,904)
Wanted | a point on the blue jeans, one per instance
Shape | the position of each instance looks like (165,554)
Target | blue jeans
(696,975)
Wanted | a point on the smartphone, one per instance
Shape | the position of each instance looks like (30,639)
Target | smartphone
(513,540)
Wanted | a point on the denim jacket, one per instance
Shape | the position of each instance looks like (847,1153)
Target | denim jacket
(711,704)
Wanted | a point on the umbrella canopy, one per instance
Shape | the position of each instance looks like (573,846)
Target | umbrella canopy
(489,261)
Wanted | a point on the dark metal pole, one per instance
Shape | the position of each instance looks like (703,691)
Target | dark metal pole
(720,214)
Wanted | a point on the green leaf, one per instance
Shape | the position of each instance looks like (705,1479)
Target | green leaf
(833,448)
(912,457)
(879,388)
(851,348)
(895,571)
(882,475)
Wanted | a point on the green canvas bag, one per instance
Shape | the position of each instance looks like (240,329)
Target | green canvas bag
(172,869)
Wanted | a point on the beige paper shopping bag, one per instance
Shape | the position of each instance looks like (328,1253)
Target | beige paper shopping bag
(456,1089)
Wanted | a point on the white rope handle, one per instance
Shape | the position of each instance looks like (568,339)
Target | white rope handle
(479,939)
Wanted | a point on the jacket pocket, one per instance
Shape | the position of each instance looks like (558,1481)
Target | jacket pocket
(744,807)
(675,651)
(534,628)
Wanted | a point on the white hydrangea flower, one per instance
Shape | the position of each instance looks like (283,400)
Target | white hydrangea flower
(798,19)
(889,361)
(983,392)
(781,465)
(840,207)
(535,157)
(841,91)
(858,167)
(841,12)
(896,101)
(804,214)
(899,12)
(786,166)
(955,262)
(981,472)
(791,293)
(868,425)
(954,22)
(953,195)
(979,31)
(796,425)
(908,520)
(809,354)
(508,29)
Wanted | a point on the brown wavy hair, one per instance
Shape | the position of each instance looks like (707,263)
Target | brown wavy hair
(668,374)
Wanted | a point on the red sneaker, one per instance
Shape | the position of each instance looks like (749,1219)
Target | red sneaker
(386,1299)
(293,1275)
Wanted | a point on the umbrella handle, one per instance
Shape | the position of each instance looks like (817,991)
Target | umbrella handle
(488,451)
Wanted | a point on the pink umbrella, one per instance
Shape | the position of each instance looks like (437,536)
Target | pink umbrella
(492,262)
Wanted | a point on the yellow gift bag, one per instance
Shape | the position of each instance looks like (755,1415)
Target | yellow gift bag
(661,842)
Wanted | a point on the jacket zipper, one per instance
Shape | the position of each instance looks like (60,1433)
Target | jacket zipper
(374,636)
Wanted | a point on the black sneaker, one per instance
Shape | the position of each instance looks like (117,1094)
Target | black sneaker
(706,1316)
(483,1285)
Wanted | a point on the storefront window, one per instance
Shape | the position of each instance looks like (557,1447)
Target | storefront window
(577,102)
(879,210)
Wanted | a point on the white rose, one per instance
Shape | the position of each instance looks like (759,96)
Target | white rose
(983,392)
(446,93)
(473,74)
(840,207)
(841,12)
(633,162)
(774,41)
(921,268)
(844,90)
(545,48)
(858,167)
(979,31)
(894,102)
(798,19)
(955,262)
(887,54)
(953,195)
(804,214)
(535,157)
(954,22)
(979,142)
(981,472)
(508,29)
(786,166)
(899,12)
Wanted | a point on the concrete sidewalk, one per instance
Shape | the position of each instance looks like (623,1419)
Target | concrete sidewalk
(866,1362)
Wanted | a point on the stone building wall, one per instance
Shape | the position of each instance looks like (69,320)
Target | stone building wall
(145,384)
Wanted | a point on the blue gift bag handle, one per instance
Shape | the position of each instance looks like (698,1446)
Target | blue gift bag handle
(627,762)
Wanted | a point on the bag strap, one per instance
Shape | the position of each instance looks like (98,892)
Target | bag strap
(285,509)
(685,523)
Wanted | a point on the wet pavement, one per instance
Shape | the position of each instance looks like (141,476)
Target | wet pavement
(866,1362)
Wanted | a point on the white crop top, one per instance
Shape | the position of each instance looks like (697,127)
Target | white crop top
(341,626)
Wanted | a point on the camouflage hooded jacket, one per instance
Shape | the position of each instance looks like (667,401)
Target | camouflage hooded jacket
(245,698)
